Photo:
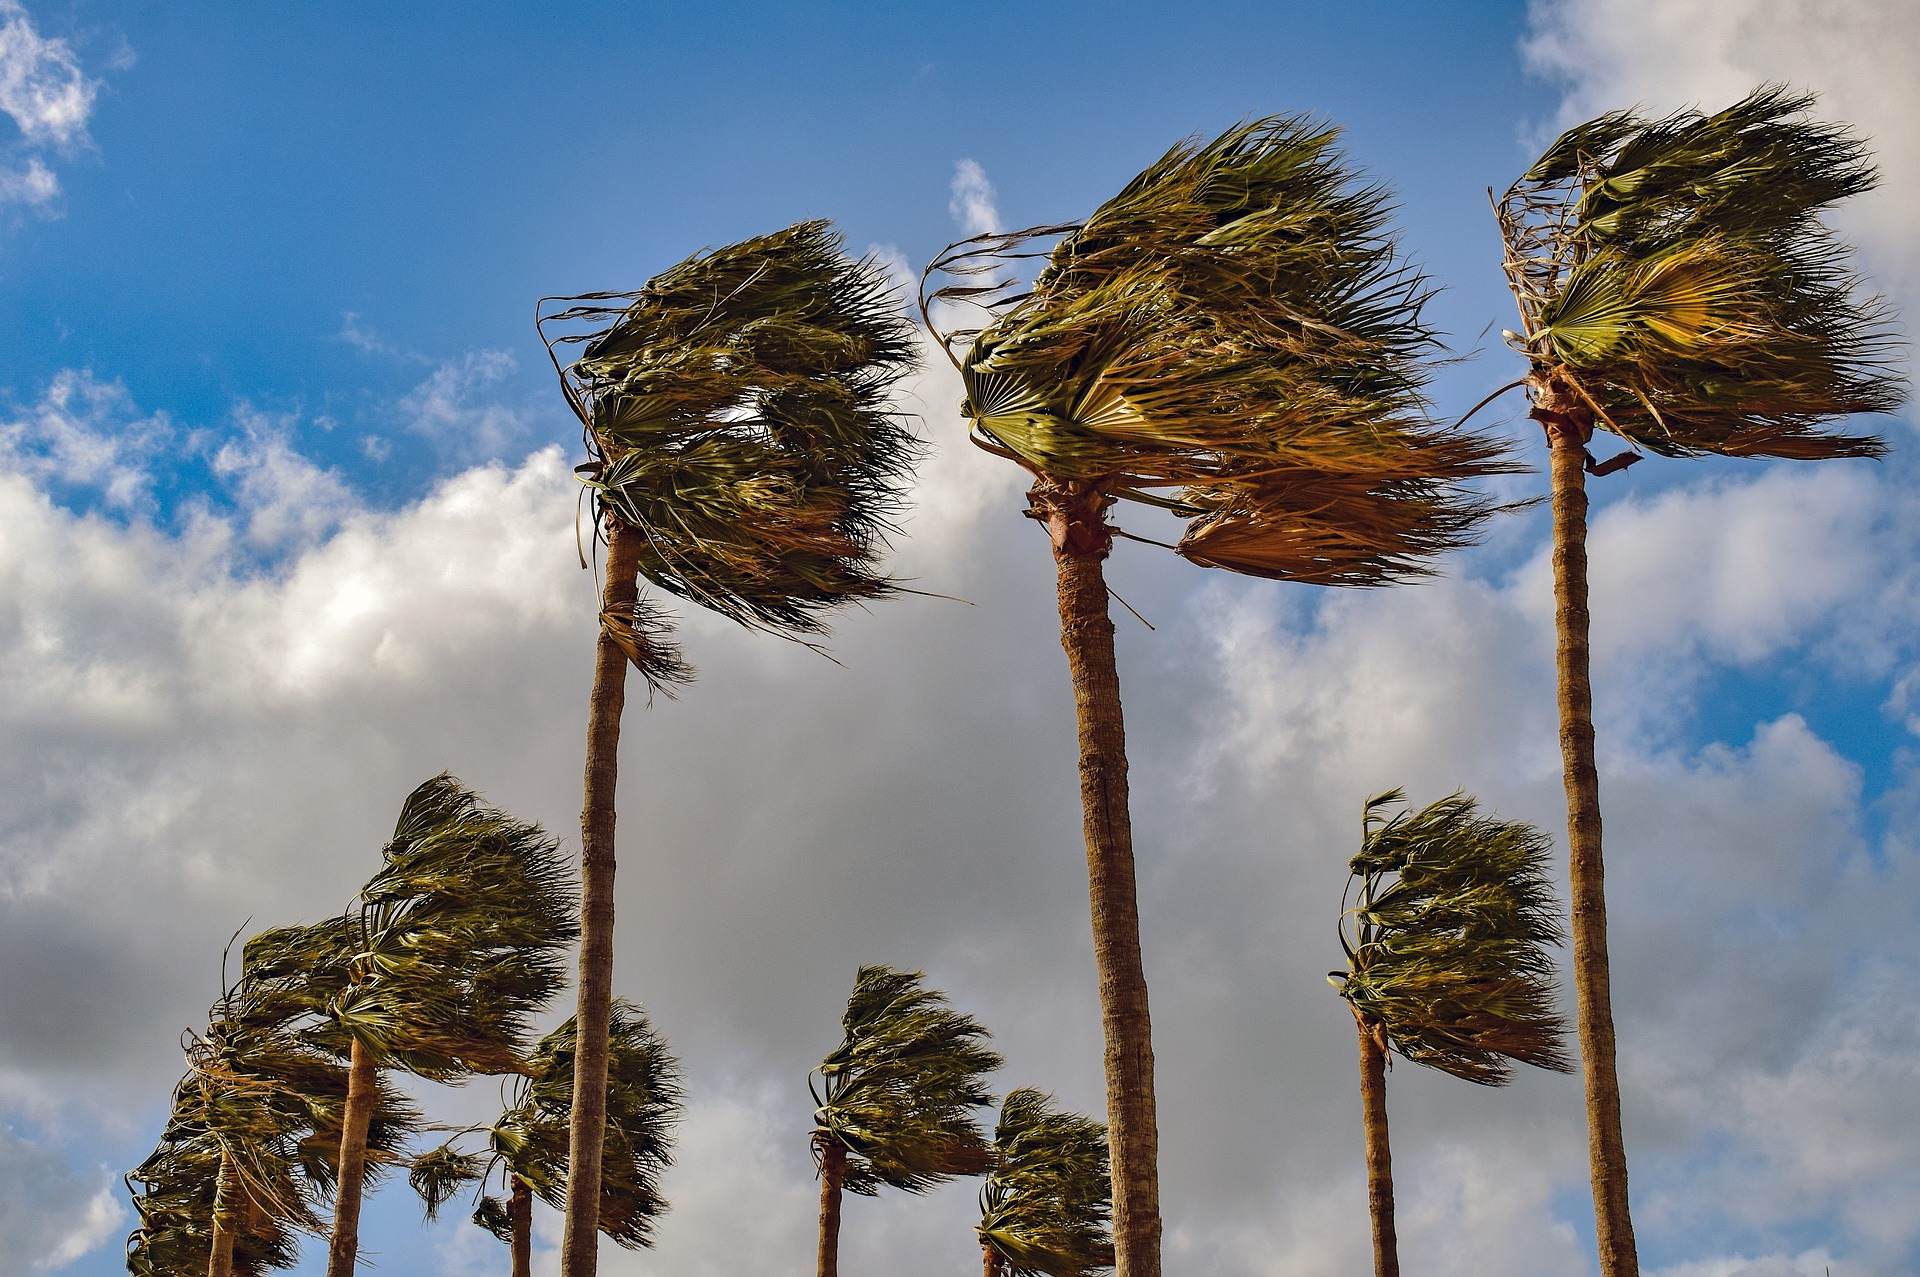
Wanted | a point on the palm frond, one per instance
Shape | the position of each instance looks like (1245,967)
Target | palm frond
(1448,944)
(1046,1207)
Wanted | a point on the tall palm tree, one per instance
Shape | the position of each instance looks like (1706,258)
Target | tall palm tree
(1046,1208)
(741,454)
(1448,961)
(1235,339)
(1677,287)
(527,1143)
(896,1097)
(436,970)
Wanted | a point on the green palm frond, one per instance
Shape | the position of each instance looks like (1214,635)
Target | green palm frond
(900,1089)
(1678,273)
(1236,321)
(1047,1204)
(1448,946)
(736,415)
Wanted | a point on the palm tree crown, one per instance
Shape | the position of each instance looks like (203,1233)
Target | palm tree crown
(900,1090)
(1676,273)
(1448,944)
(1045,1208)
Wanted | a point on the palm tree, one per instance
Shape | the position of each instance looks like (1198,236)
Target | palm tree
(1232,338)
(1448,961)
(741,454)
(450,949)
(1677,287)
(527,1144)
(1045,1208)
(896,1098)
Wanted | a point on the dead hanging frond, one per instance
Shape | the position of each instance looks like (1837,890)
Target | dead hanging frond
(737,415)
(644,635)
(1677,273)
(1237,318)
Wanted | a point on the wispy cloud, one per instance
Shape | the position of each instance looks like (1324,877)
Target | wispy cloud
(972,203)
(48,95)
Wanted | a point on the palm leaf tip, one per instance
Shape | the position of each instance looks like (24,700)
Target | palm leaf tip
(738,417)
(1449,941)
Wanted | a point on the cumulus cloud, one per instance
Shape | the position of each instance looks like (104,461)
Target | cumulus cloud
(456,407)
(49,1215)
(85,432)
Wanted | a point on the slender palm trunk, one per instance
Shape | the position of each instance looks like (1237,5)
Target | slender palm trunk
(345,1248)
(225,1193)
(1074,514)
(520,1222)
(833,1171)
(992,1267)
(579,1255)
(1569,426)
(1373,1103)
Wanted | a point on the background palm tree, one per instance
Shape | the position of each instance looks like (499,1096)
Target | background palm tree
(896,1098)
(1234,339)
(452,946)
(1046,1206)
(527,1144)
(1448,961)
(1676,287)
(741,454)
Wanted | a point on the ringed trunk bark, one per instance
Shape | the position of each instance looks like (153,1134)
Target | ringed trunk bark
(520,1219)
(1373,1102)
(1569,425)
(833,1170)
(580,1255)
(1074,514)
(345,1246)
(220,1259)
(992,1266)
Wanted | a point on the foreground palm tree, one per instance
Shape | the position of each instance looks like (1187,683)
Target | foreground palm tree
(1677,287)
(1448,962)
(741,455)
(1046,1207)
(1232,338)
(898,1097)
(449,950)
(527,1143)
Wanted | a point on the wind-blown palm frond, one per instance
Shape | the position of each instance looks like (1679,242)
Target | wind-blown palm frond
(1447,946)
(1046,1205)
(1676,271)
(736,414)
(1233,337)
(900,1090)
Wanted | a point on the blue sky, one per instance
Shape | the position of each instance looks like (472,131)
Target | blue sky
(285,527)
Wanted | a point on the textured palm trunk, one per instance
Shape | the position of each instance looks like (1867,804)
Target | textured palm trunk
(1074,514)
(220,1260)
(345,1246)
(520,1224)
(833,1171)
(1373,1104)
(991,1266)
(580,1249)
(1569,425)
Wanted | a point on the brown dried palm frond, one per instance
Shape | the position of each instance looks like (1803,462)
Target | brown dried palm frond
(1235,322)
(736,414)
(1677,273)
(1448,945)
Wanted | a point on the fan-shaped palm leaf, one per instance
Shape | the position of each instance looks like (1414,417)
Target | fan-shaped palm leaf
(1044,1210)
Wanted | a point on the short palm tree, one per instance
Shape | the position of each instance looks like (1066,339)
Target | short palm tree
(1448,961)
(448,951)
(741,454)
(1234,339)
(896,1099)
(1677,287)
(1046,1206)
(527,1143)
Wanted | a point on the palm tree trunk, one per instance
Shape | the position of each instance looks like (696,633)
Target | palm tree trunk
(220,1259)
(1074,512)
(1373,1103)
(1569,425)
(580,1255)
(833,1170)
(345,1247)
(520,1220)
(992,1265)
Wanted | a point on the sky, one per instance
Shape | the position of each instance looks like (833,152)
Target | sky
(287,526)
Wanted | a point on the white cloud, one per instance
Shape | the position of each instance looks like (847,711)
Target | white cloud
(972,204)
(50,1216)
(41,84)
(86,432)
(454,406)
(286,498)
